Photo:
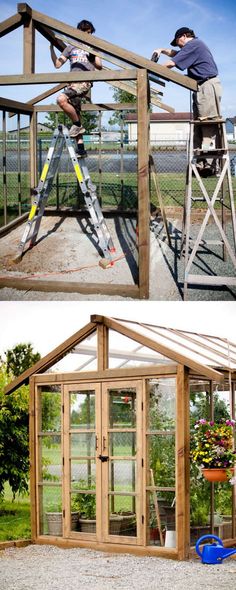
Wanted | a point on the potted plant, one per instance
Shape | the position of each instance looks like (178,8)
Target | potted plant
(85,502)
(212,449)
(54,519)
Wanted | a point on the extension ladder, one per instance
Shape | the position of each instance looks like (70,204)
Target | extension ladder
(60,139)
(190,247)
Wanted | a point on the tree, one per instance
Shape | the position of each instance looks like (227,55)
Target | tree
(121,96)
(20,358)
(14,420)
(14,444)
(89,120)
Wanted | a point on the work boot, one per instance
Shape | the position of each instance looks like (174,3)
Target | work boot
(75,131)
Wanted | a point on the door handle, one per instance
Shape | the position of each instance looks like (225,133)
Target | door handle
(103,458)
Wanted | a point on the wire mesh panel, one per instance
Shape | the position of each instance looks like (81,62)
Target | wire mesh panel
(14,169)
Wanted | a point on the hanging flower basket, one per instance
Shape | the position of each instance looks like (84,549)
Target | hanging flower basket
(217,474)
(212,449)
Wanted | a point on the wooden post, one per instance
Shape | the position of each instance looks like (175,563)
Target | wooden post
(4,167)
(143,184)
(33,151)
(33,510)
(29,46)
(102,347)
(182,463)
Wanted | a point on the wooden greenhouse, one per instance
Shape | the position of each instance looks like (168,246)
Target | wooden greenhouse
(110,438)
(129,72)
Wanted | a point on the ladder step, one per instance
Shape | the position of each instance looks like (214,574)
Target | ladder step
(217,120)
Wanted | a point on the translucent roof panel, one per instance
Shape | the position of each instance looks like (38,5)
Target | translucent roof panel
(124,352)
(81,358)
(204,349)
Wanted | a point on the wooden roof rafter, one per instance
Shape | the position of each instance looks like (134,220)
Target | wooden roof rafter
(130,57)
(53,357)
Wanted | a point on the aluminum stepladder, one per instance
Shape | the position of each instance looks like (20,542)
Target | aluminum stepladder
(60,139)
(189,247)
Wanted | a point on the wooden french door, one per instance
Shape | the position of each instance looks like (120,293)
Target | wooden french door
(103,460)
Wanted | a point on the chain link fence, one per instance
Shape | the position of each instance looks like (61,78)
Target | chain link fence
(113,167)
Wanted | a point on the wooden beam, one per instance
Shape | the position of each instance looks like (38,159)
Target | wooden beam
(50,36)
(111,106)
(143,185)
(128,56)
(53,357)
(10,24)
(24,9)
(66,77)
(69,287)
(158,347)
(119,373)
(14,105)
(29,47)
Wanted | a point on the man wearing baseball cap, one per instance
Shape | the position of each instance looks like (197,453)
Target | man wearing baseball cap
(195,57)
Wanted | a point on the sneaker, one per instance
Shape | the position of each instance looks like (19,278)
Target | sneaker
(75,130)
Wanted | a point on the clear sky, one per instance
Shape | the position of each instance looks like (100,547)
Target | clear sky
(47,324)
(137,27)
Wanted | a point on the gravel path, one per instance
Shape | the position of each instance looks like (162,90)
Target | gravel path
(45,567)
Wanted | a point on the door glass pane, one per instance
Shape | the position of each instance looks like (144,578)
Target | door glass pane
(161,518)
(82,470)
(161,405)
(82,409)
(83,500)
(122,443)
(49,402)
(82,444)
(122,407)
(161,453)
(122,516)
(50,461)
(122,476)
(50,513)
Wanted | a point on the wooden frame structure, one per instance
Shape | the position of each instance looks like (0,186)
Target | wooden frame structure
(170,359)
(134,74)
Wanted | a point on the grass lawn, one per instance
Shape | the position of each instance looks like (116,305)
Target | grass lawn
(14,517)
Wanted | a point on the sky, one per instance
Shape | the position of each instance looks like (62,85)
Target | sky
(47,324)
(135,27)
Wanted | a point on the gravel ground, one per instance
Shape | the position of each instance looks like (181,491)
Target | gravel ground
(44,567)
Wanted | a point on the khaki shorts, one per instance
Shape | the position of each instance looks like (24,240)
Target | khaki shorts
(207,99)
(81,88)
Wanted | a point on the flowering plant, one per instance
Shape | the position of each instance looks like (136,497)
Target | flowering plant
(213,444)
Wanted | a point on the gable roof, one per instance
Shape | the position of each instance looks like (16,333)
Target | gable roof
(49,26)
(206,355)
